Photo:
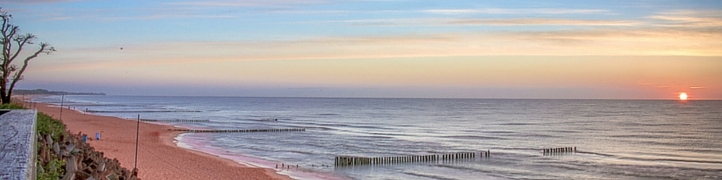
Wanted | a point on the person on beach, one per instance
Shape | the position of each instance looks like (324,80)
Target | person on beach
(97,136)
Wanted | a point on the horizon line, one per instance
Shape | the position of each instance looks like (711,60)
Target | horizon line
(352,97)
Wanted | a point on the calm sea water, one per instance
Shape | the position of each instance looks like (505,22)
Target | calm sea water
(616,139)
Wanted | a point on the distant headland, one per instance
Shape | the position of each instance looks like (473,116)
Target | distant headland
(47,92)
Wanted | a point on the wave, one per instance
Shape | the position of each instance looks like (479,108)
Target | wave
(327,114)
(426,175)
(477,137)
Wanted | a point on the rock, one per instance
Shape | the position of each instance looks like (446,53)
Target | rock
(101,166)
(81,160)
(69,176)
(70,147)
(43,156)
(112,176)
(56,148)
(71,164)
(81,175)
(48,139)
(75,151)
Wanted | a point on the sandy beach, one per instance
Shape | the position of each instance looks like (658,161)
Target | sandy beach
(158,156)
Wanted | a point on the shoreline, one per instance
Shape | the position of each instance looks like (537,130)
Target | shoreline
(161,158)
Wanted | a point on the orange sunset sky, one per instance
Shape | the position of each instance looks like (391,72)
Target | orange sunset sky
(408,49)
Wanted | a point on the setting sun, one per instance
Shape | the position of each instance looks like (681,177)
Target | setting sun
(682,96)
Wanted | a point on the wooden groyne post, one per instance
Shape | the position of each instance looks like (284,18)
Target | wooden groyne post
(236,130)
(551,151)
(354,160)
(141,111)
(175,120)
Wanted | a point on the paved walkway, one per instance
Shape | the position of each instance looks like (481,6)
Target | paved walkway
(17,144)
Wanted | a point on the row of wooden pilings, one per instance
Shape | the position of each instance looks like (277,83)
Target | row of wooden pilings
(559,150)
(236,130)
(140,111)
(175,120)
(352,161)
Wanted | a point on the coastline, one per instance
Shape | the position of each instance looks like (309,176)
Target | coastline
(158,155)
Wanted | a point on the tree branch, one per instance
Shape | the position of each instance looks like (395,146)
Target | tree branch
(21,40)
(44,48)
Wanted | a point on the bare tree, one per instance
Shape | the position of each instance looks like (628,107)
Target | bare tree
(13,44)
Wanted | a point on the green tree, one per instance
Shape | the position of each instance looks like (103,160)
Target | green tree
(13,43)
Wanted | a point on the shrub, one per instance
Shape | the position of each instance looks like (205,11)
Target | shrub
(48,125)
(11,106)
(54,169)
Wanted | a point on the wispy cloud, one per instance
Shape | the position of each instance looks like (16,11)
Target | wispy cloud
(247,3)
(121,14)
(689,18)
(36,1)
(514,11)
(480,22)
(538,21)
(608,42)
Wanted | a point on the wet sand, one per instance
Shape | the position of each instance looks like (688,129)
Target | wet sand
(158,156)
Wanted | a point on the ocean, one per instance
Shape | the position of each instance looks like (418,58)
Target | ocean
(615,139)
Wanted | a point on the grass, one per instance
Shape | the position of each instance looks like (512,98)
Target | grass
(11,106)
(47,125)
(52,171)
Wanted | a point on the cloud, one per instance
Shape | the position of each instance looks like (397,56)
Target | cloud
(688,18)
(37,1)
(537,21)
(247,3)
(479,22)
(580,42)
(514,11)
(122,14)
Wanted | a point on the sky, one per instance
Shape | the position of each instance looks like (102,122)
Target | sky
(560,49)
